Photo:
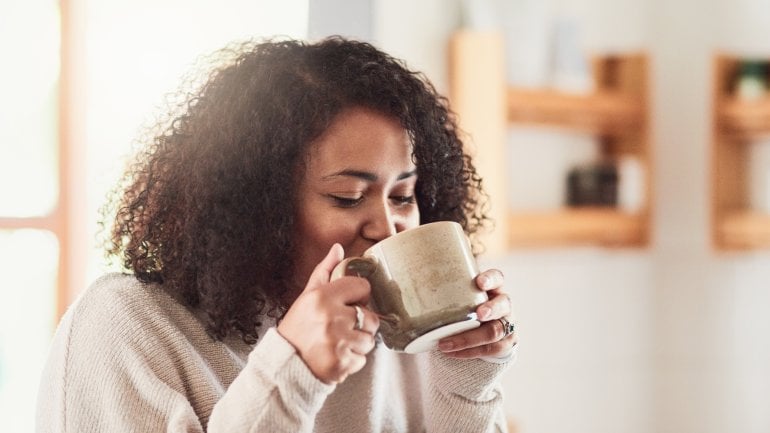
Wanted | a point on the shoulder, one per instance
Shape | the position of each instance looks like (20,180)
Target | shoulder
(118,310)
(118,297)
(120,348)
(115,288)
(121,327)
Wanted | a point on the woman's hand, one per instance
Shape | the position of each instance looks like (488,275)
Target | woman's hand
(322,323)
(489,339)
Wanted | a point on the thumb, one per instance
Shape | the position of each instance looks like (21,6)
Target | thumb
(322,272)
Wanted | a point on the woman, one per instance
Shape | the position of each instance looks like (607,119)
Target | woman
(290,156)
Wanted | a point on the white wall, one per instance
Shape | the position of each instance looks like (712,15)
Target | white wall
(583,315)
(712,358)
(584,361)
(417,31)
(673,338)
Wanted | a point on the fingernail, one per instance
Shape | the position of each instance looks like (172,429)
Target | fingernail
(484,313)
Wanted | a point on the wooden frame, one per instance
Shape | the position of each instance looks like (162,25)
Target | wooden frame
(67,220)
(735,124)
(616,112)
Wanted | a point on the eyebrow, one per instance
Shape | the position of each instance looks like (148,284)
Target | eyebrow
(367,176)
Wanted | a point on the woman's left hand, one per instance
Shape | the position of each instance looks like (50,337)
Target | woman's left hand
(489,339)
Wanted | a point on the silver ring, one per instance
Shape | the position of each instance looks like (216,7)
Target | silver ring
(508,327)
(359,318)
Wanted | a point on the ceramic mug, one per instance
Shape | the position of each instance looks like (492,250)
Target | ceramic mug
(423,285)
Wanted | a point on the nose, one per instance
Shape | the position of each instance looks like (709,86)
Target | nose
(381,222)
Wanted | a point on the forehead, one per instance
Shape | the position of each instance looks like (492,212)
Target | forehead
(360,138)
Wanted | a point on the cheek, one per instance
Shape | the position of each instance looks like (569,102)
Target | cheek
(317,235)
(346,232)
(414,218)
(409,218)
(325,232)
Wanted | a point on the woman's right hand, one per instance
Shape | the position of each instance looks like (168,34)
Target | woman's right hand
(321,323)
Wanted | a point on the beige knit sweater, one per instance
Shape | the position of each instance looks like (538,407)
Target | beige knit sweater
(127,357)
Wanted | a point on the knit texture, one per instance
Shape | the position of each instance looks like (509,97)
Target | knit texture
(127,357)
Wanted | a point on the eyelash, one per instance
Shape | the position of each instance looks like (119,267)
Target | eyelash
(403,199)
(346,203)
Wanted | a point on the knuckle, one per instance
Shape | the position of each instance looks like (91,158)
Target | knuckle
(337,367)
(338,320)
(357,363)
(341,348)
(494,331)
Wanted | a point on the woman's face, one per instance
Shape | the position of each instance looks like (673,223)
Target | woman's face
(358,188)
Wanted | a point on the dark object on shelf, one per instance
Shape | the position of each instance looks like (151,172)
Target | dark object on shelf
(752,79)
(593,185)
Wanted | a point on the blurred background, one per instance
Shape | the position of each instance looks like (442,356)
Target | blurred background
(622,141)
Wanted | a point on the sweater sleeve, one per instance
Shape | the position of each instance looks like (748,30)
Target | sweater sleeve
(275,392)
(462,395)
(119,362)
(103,375)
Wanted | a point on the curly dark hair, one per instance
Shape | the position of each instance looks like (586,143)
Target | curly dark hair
(208,207)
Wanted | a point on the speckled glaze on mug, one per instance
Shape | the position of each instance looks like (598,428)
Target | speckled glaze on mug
(422,283)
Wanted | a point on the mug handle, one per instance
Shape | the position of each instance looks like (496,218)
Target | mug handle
(361,266)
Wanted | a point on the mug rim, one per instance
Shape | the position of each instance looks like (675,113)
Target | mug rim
(412,231)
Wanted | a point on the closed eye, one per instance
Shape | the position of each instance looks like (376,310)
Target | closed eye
(403,199)
(345,202)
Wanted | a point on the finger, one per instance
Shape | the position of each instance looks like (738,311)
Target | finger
(351,362)
(323,270)
(497,349)
(498,305)
(347,291)
(345,322)
(359,342)
(489,333)
(370,322)
(490,279)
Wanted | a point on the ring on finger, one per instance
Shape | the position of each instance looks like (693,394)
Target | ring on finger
(508,327)
(359,318)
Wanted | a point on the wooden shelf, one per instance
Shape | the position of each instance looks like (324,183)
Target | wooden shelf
(744,230)
(736,124)
(588,226)
(616,112)
(745,119)
(596,113)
